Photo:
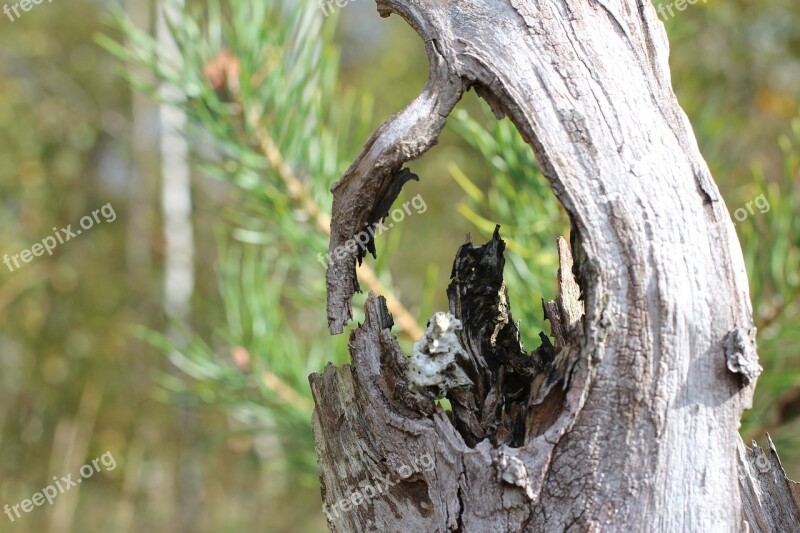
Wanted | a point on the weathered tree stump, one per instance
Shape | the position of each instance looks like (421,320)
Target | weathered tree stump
(628,419)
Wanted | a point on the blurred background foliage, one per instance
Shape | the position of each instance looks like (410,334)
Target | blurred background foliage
(279,100)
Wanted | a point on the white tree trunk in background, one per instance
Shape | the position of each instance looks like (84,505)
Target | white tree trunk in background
(630,422)
(176,207)
(176,191)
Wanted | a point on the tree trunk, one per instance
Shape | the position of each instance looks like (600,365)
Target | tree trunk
(629,420)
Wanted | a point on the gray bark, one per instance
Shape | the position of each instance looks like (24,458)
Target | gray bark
(629,421)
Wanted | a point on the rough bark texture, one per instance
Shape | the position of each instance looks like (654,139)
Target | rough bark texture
(771,501)
(629,421)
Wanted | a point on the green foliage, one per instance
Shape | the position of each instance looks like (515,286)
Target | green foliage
(276,73)
(771,246)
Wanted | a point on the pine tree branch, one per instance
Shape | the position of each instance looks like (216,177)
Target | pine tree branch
(224,75)
(285,392)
